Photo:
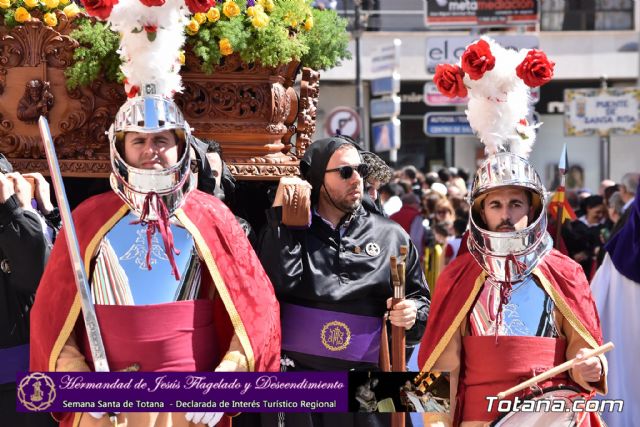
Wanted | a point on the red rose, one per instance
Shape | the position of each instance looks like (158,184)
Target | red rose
(477,60)
(448,80)
(536,69)
(200,6)
(99,8)
(151,3)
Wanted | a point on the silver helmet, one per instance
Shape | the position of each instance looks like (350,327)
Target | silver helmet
(508,256)
(150,113)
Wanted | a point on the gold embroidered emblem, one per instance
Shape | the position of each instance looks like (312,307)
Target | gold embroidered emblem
(335,336)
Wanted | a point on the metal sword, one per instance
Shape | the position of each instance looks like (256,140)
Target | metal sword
(88,310)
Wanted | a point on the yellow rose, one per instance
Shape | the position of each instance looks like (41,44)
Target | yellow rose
(193,27)
(65,1)
(22,15)
(255,10)
(200,18)
(308,24)
(52,4)
(50,19)
(260,21)
(213,14)
(31,3)
(181,57)
(230,9)
(225,47)
(71,10)
(4,4)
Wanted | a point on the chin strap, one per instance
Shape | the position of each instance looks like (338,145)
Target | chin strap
(163,225)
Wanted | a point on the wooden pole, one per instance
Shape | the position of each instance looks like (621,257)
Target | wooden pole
(398,338)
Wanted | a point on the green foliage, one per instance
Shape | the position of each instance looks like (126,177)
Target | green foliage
(327,41)
(96,54)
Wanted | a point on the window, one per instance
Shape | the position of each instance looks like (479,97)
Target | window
(586,15)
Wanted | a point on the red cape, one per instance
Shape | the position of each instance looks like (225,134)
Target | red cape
(458,285)
(245,300)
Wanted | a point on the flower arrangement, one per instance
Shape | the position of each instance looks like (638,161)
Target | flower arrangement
(271,32)
(15,12)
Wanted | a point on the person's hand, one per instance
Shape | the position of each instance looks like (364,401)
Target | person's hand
(22,189)
(403,314)
(294,194)
(208,418)
(589,369)
(6,188)
(43,192)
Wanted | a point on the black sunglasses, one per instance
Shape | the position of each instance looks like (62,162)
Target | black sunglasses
(347,171)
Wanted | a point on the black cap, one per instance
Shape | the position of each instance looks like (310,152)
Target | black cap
(316,158)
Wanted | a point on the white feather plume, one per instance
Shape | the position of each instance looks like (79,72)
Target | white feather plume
(145,61)
(498,102)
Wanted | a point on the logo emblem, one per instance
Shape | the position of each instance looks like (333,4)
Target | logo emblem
(36,391)
(335,336)
(372,249)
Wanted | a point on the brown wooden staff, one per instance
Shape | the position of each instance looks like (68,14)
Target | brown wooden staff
(555,371)
(398,338)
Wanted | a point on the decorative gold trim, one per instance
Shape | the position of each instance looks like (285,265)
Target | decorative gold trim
(72,317)
(345,342)
(439,348)
(564,309)
(218,282)
(76,419)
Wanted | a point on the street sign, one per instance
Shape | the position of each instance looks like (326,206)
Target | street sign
(386,135)
(388,85)
(446,124)
(601,111)
(455,123)
(477,13)
(343,120)
(433,97)
(384,108)
(441,50)
(386,59)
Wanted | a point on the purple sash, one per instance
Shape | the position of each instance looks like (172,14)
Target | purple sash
(14,360)
(330,333)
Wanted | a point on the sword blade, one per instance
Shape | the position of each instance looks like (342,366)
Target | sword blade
(80,276)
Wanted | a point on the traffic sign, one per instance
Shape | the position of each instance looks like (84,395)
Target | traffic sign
(343,120)
(384,108)
(386,58)
(446,124)
(388,85)
(433,97)
(455,123)
(386,135)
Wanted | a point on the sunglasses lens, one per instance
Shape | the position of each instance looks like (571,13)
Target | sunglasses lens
(363,170)
(346,172)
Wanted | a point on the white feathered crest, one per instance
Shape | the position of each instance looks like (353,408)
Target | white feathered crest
(498,82)
(151,37)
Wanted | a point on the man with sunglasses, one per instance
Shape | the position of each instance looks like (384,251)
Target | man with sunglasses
(332,273)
